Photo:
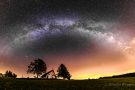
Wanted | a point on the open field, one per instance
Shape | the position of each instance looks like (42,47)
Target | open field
(99,84)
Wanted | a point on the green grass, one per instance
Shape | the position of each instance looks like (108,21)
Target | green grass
(99,84)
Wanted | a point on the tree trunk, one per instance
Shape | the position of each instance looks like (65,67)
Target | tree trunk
(37,75)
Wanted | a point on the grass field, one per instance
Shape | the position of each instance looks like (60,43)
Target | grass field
(97,84)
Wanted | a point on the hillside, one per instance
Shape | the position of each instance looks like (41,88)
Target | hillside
(121,76)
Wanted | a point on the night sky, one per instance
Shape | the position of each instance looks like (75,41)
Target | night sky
(92,38)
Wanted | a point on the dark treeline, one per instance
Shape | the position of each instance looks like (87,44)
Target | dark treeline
(8,74)
(39,68)
(121,76)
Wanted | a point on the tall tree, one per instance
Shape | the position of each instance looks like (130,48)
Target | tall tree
(37,67)
(63,72)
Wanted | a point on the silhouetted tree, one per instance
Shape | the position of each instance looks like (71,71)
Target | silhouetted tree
(37,67)
(14,75)
(10,74)
(63,72)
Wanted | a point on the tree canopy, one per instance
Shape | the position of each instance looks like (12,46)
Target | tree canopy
(63,72)
(10,74)
(37,67)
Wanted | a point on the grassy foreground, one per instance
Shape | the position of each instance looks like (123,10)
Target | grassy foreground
(99,84)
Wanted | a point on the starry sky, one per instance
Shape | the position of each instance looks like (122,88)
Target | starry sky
(93,38)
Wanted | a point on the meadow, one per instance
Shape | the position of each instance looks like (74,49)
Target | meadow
(93,84)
